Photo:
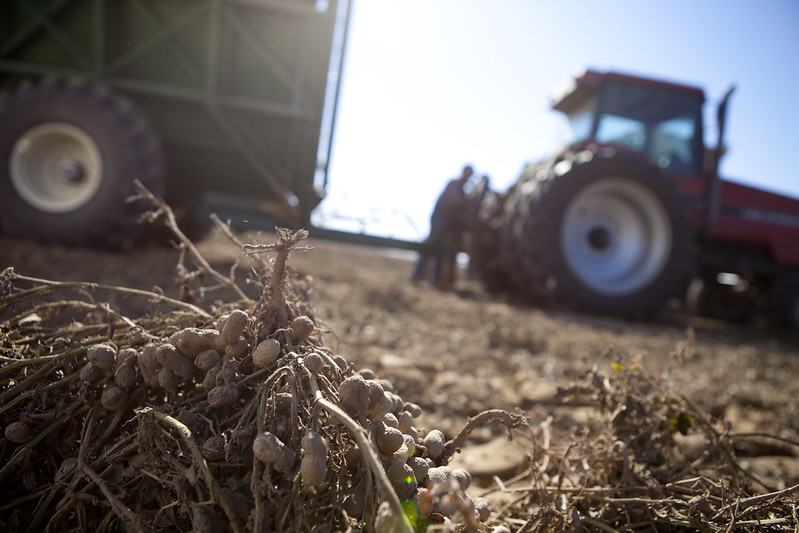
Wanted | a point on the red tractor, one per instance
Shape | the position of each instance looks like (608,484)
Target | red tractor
(632,211)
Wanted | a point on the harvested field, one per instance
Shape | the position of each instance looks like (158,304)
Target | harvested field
(676,424)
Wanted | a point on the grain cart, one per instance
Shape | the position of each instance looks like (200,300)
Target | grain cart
(217,104)
(632,209)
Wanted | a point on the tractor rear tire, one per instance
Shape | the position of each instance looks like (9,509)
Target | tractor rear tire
(69,154)
(601,231)
(481,221)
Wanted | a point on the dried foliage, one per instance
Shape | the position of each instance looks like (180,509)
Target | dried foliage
(233,416)
(630,469)
(166,422)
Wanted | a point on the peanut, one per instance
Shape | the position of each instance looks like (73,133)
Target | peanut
(367,373)
(414,410)
(394,402)
(125,374)
(405,422)
(228,373)
(439,475)
(341,362)
(207,359)
(420,466)
(209,382)
(124,354)
(90,373)
(271,450)
(149,365)
(378,403)
(192,341)
(313,468)
(234,326)
(301,327)
(314,363)
(114,398)
(169,357)
(388,439)
(168,380)
(410,443)
(354,393)
(237,349)
(19,432)
(222,395)
(102,356)
(313,471)
(463,477)
(402,479)
(214,448)
(219,323)
(390,419)
(266,353)
(434,443)
(483,508)
(386,384)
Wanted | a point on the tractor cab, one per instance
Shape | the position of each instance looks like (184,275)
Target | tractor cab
(662,120)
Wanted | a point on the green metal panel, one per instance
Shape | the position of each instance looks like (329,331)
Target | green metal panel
(234,88)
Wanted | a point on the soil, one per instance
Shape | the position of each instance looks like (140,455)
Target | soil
(459,352)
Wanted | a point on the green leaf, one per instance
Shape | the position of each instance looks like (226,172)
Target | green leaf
(681,422)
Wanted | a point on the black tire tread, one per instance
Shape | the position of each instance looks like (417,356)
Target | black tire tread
(142,147)
(531,227)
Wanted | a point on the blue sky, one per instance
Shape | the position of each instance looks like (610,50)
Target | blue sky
(429,85)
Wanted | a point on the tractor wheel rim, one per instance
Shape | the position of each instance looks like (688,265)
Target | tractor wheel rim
(56,167)
(616,236)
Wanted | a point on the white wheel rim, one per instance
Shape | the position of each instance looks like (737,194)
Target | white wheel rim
(616,236)
(56,167)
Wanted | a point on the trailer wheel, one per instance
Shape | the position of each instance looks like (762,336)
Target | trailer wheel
(69,153)
(604,232)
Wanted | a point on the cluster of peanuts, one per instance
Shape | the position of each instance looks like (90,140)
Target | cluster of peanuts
(208,354)
(414,460)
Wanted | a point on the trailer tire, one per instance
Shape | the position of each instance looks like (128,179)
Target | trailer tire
(602,231)
(69,154)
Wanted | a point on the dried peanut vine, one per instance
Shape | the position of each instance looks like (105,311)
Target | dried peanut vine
(229,418)
(628,473)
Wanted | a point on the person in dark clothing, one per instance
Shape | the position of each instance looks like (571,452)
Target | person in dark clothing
(442,244)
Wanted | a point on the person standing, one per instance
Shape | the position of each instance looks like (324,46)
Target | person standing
(442,244)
